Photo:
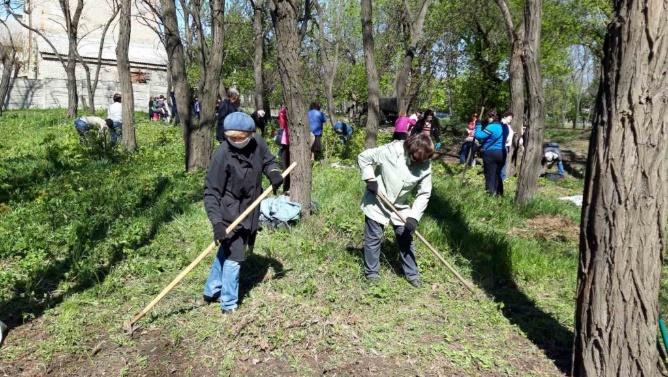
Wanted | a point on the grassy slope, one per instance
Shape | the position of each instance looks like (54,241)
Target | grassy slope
(306,309)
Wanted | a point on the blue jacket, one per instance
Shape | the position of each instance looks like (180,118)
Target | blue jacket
(492,137)
(316,119)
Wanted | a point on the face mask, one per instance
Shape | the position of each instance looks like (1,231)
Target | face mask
(239,144)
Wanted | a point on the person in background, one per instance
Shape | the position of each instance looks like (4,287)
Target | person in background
(283,139)
(316,119)
(395,170)
(84,123)
(162,108)
(467,153)
(228,106)
(115,114)
(493,141)
(197,108)
(233,182)
(260,120)
(552,156)
(506,120)
(175,110)
(344,131)
(151,108)
(402,125)
(428,125)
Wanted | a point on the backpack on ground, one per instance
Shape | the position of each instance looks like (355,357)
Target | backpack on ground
(279,212)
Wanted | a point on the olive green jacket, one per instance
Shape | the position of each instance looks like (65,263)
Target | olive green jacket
(397,177)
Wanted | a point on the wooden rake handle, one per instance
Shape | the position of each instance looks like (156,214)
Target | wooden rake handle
(438,255)
(203,254)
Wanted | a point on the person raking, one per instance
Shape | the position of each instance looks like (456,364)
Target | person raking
(232,183)
(395,170)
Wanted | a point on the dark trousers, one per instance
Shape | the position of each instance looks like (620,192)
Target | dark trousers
(467,153)
(493,165)
(373,237)
(284,156)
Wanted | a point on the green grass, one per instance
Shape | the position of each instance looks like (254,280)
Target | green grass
(90,241)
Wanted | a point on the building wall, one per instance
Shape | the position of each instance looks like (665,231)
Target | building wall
(51,91)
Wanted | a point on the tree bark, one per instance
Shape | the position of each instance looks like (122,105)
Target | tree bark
(200,138)
(72,28)
(123,66)
(413,28)
(284,18)
(373,85)
(178,72)
(527,182)
(258,31)
(8,62)
(516,73)
(622,235)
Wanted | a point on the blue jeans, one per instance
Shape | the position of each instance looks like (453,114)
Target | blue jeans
(223,280)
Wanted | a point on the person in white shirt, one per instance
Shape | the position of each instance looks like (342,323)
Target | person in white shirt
(115,114)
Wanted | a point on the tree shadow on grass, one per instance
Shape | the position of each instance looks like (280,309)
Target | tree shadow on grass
(492,270)
(254,271)
(28,303)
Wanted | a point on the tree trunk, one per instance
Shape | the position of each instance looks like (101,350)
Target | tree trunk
(533,141)
(373,86)
(622,235)
(413,28)
(178,72)
(516,73)
(290,71)
(123,66)
(72,29)
(258,31)
(70,70)
(200,138)
(516,106)
(7,69)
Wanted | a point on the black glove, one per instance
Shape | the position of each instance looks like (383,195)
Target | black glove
(219,232)
(410,226)
(276,179)
(372,187)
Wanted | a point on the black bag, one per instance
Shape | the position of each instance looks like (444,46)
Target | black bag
(279,136)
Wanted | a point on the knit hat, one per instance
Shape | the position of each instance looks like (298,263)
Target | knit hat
(239,121)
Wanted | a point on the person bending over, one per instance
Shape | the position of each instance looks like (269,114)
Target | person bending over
(395,170)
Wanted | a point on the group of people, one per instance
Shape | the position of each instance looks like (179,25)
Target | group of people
(420,122)
(233,182)
(493,138)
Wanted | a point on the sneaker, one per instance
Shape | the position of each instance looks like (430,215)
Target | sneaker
(228,311)
(209,299)
(416,283)
(373,280)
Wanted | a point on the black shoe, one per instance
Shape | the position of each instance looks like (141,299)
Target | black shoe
(416,283)
(209,299)
(228,311)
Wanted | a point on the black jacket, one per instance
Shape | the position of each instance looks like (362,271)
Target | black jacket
(234,181)
(260,122)
(225,108)
(435,129)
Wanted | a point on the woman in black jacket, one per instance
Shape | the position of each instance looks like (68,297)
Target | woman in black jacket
(428,124)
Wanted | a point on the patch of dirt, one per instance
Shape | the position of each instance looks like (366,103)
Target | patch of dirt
(549,228)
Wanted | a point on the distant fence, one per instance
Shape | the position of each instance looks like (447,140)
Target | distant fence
(52,93)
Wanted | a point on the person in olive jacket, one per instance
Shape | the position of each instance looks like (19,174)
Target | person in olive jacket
(233,182)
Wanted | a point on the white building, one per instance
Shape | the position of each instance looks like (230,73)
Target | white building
(42,80)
